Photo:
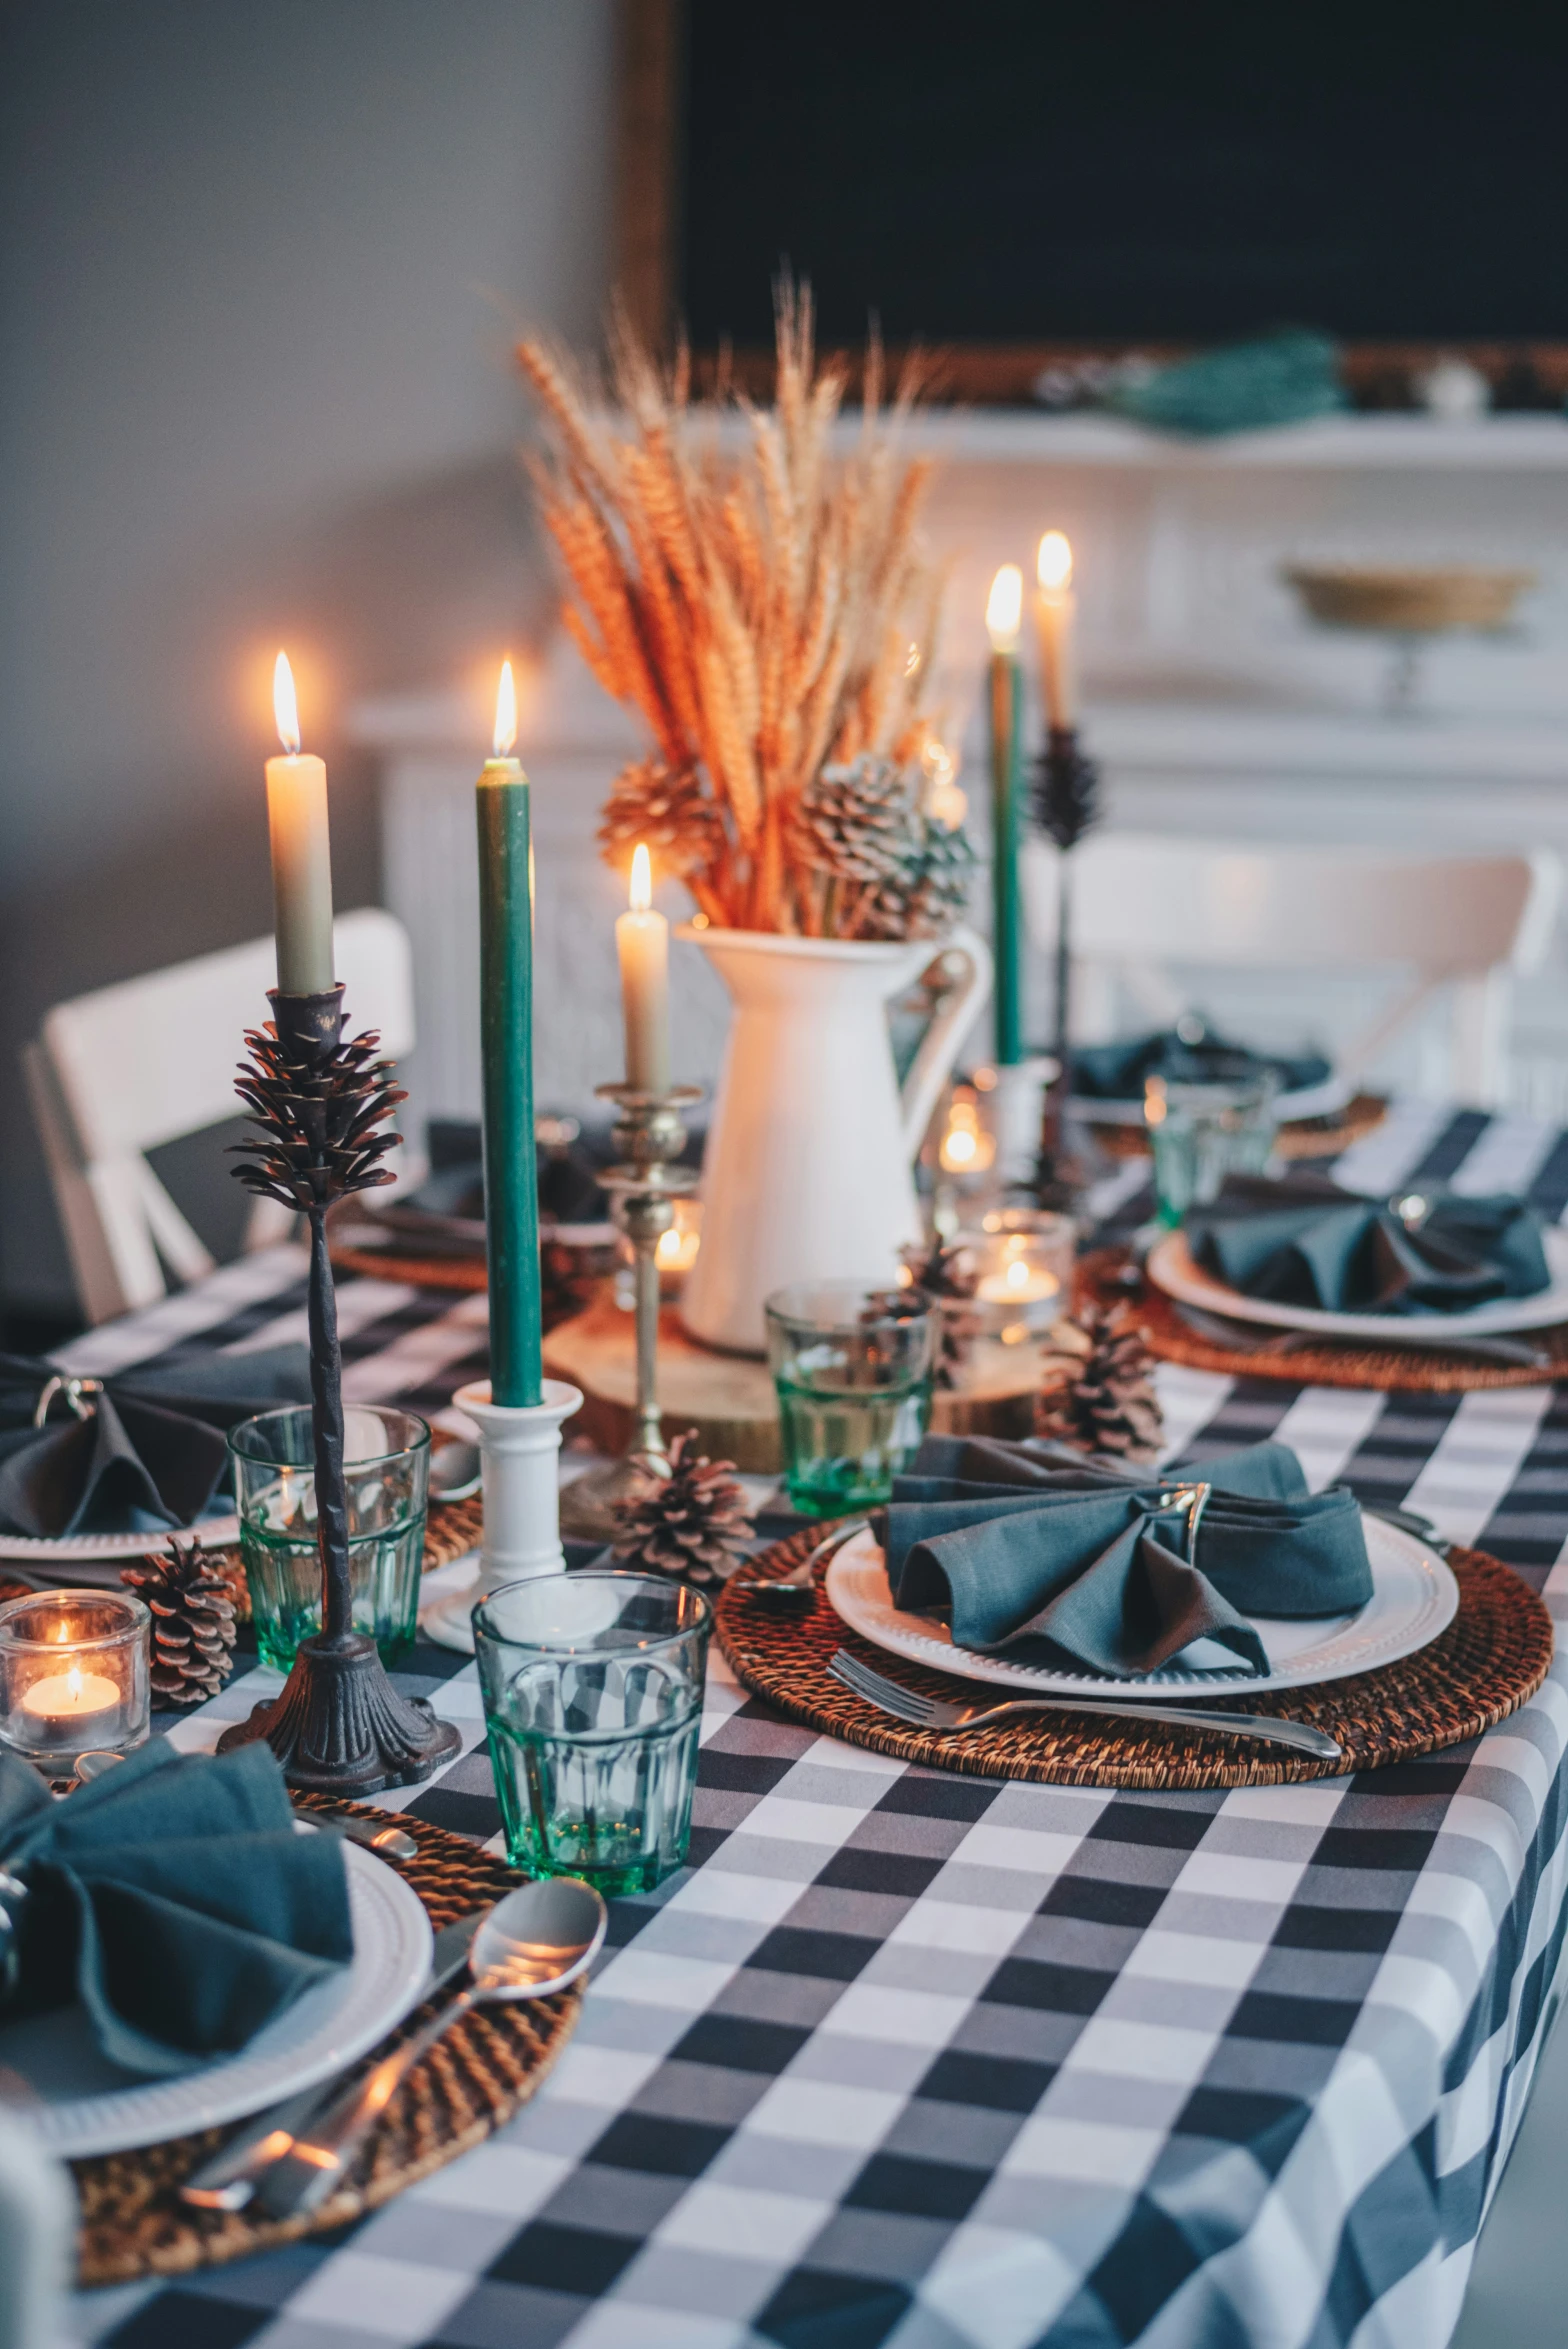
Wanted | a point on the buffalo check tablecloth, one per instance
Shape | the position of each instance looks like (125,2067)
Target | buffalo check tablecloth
(916,2060)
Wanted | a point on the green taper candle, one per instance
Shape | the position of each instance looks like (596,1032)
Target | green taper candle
(506,1008)
(1003,614)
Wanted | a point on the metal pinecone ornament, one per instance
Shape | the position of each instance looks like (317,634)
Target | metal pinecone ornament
(317,1105)
(192,1604)
(692,1523)
(1097,1392)
(666,809)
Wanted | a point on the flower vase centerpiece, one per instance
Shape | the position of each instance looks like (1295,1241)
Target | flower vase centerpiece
(751,581)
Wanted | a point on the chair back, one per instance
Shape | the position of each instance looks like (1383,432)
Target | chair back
(1443,923)
(126,1068)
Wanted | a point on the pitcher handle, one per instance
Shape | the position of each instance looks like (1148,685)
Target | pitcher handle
(932,1064)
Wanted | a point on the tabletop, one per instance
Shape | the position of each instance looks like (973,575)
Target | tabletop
(939,2063)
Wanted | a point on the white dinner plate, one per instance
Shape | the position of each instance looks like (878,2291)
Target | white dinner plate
(1310,1101)
(77,1549)
(88,2105)
(1171,1267)
(1414,1597)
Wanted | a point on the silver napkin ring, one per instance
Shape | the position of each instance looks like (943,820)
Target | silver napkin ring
(1194,1499)
(77,1392)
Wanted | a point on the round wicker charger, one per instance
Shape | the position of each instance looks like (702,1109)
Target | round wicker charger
(132,2222)
(1492,1656)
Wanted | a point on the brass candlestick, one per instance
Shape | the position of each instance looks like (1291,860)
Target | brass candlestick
(650,1137)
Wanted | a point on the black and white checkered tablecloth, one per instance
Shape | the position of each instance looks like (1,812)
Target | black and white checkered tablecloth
(917,2060)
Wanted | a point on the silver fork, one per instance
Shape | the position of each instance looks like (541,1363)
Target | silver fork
(922,1712)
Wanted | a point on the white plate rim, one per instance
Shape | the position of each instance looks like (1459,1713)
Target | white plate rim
(1171,1267)
(392,1952)
(73,1548)
(1323,1100)
(872,1615)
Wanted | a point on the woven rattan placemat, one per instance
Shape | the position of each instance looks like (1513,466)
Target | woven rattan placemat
(1311,1137)
(132,2222)
(1492,1656)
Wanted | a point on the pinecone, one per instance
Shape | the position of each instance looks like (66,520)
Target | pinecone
(1098,1391)
(938,892)
(950,1275)
(667,809)
(858,822)
(692,1523)
(317,1108)
(192,1607)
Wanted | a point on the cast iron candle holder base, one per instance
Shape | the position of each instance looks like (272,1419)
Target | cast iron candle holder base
(1066,806)
(339,1726)
(650,1137)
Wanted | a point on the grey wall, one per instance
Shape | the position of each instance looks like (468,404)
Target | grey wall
(260,262)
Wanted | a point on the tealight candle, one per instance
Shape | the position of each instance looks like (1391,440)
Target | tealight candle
(82,1702)
(1018,1283)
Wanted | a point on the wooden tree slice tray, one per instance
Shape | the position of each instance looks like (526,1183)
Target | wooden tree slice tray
(729,1398)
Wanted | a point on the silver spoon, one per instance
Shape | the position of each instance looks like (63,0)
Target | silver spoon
(798,1587)
(534,1942)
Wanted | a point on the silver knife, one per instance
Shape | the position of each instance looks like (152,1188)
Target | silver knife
(228,2180)
(390,1840)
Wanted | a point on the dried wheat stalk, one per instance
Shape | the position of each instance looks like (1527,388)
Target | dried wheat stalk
(763,603)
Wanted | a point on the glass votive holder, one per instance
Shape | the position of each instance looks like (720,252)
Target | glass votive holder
(592,1687)
(386,1472)
(1199,1134)
(852,1367)
(74,1676)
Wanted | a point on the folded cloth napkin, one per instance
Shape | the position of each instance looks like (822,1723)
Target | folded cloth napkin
(151,1452)
(1117,1072)
(174,1898)
(1281,378)
(1044,1562)
(1304,1241)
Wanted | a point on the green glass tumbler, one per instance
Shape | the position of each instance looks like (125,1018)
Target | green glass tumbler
(1199,1134)
(592,1686)
(386,1468)
(852,1365)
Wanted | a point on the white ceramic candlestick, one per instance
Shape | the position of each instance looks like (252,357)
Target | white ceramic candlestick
(519,1449)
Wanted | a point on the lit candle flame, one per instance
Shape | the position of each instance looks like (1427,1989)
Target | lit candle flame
(1004,608)
(73,1681)
(285,707)
(1054,563)
(1017,1273)
(640,895)
(505,713)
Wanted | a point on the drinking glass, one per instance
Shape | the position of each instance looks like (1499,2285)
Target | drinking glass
(386,1470)
(852,1365)
(1199,1134)
(592,1686)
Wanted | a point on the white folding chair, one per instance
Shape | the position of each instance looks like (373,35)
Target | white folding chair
(116,1073)
(1428,925)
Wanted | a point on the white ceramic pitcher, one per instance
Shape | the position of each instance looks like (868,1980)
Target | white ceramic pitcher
(808,1173)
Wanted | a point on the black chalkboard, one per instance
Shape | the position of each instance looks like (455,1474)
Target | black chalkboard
(1174,170)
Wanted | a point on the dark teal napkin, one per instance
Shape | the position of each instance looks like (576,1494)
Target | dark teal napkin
(174,1898)
(1117,1072)
(150,1456)
(1281,378)
(1047,1563)
(1303,1241)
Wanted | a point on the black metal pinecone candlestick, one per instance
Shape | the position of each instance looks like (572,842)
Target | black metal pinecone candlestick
(191,1601)
(1100,1396)
(1066,806)
(317,1107)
